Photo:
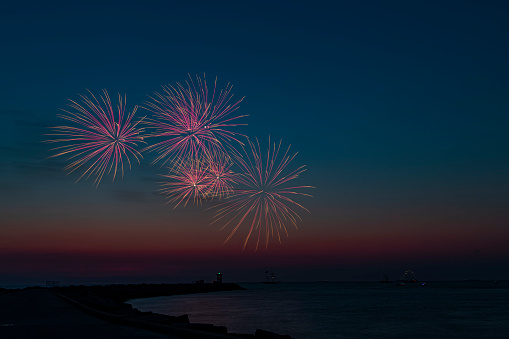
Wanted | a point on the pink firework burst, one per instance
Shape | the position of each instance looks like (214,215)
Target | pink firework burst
(263,200)
(188,180)
(190,120)
(99,139)
(221,177)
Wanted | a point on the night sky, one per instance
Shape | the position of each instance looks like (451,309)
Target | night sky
(399,110)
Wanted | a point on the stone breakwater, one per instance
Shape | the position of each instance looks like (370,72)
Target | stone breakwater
(109,302)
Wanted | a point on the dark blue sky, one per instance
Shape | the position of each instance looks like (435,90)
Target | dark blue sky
(398,108)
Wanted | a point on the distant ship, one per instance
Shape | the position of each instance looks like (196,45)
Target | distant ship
(385,279)
(407,277)
(271,278)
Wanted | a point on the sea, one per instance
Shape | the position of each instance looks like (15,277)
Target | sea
(461,309)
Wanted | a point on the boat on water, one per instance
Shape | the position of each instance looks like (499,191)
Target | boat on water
(385,280)
(408,277)
(271,278)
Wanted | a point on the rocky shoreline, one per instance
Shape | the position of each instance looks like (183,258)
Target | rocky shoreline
(109,302)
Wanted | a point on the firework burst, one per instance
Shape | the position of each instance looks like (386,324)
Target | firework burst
(263,200)
(191,120)
(198,179)
(220,176)
(99,140)
(188,180)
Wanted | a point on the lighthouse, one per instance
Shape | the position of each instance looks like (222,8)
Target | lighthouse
(219,276)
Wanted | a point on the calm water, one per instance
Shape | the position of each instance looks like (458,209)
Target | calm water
(350,310)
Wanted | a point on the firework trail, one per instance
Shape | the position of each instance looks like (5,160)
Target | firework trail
(263,200)
(191,120)
(189,180)
(99,140)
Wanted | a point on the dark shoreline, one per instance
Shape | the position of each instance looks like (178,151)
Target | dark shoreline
(109,303)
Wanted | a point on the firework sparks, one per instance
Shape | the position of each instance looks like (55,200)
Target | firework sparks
(191,120)
(188,180)
(263,199)
(221,177)
(99,140)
